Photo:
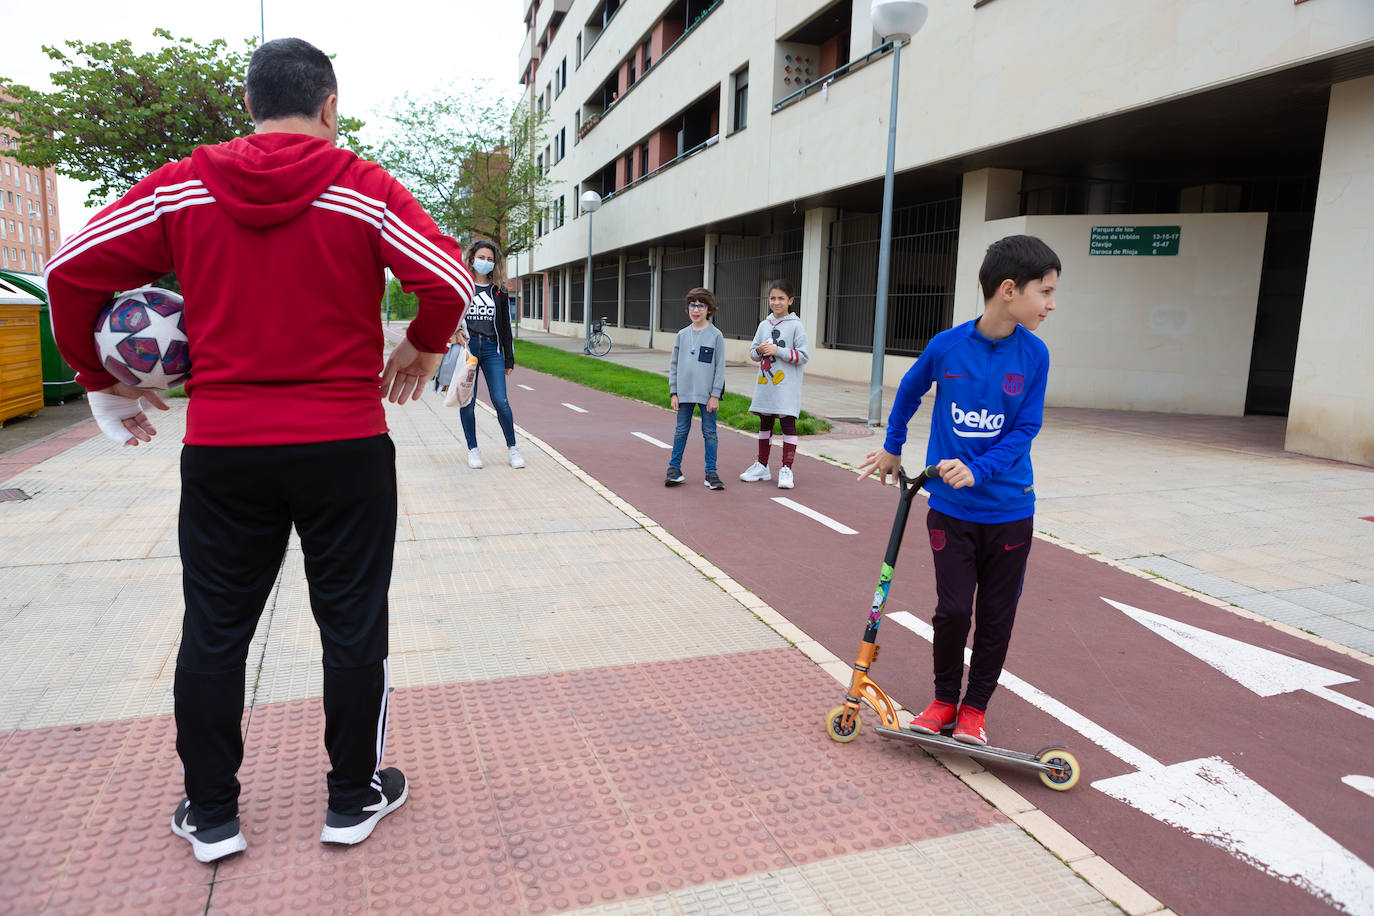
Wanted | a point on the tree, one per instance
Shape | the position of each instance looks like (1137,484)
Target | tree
(468,157)
(117,115)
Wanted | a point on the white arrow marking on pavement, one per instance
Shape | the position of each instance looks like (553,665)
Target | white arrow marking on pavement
(1261,671)
(651,440)
(825,520)
(1218,804)
(1214,802)
(526,387)
(1364,783)
(573,407)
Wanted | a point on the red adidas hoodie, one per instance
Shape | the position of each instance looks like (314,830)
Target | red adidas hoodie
(279,241)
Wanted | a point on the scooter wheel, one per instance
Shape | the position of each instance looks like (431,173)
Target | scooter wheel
(836,729)
(1065,772)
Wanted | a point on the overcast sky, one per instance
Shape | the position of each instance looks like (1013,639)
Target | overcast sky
(397,46)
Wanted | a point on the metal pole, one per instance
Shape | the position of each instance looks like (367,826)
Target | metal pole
(262,23)
(587,292)
(875,385)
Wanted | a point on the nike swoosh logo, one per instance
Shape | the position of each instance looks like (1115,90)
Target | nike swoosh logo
(1014,546)
(951,375)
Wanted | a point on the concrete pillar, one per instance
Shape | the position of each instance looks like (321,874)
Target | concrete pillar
(655,290)
(815,272)
(1331,414)
(989,195)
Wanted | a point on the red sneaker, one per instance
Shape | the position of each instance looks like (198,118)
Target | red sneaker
(970,727)
(937,717)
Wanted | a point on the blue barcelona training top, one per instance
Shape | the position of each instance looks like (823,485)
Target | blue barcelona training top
(989,404)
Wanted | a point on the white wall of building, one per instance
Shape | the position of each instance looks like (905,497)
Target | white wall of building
(1159,333)
(1332,411)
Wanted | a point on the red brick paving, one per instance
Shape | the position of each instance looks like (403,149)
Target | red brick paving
(530,795)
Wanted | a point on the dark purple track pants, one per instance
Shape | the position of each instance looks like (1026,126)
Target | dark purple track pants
(979,567)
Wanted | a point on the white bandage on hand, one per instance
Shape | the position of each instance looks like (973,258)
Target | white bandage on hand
(111,410)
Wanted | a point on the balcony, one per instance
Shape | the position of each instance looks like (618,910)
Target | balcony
(670,32)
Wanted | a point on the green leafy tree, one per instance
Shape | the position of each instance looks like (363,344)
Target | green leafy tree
(468,156)
(116,115)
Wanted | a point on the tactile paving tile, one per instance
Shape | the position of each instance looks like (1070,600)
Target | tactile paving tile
(339,886)
(783,893)
(722,842)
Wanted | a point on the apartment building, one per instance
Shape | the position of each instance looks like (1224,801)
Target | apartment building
(1204,170)
(29,230)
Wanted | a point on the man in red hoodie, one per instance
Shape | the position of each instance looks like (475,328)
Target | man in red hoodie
(279,241)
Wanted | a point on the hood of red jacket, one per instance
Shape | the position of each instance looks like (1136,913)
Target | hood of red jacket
(266,179)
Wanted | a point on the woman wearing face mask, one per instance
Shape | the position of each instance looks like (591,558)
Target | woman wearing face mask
(486,331)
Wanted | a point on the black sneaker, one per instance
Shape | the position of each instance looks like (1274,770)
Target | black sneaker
(354,828)
(673,477)
(713,481)
(208,845)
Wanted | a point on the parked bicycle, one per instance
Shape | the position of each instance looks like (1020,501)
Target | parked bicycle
(599,344)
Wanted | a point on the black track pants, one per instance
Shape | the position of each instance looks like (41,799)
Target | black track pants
(989,560)
(237,508)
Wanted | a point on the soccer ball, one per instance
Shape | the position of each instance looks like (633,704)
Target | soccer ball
(141,338)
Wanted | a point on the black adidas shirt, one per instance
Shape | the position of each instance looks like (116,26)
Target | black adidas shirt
(481,315)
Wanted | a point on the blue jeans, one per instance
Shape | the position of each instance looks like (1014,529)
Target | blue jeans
(684,426)
(491,364)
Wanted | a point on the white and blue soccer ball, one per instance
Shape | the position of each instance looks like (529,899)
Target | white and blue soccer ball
(141,338)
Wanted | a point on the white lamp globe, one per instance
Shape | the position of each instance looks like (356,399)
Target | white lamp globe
(591,201)
(898,19)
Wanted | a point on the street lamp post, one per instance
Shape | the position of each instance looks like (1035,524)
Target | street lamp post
(591,202)
(895,21)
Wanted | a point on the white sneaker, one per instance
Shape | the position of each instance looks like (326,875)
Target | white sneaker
(516,459)
(474,458)
(784,478)
(756,471)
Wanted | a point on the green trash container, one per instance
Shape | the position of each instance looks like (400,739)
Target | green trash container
(59,379)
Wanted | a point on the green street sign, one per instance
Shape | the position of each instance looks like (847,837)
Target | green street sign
(1134,240)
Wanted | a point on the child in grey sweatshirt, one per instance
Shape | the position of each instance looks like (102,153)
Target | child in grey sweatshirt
(696,378)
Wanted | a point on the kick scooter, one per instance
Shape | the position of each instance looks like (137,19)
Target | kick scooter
(1055,766)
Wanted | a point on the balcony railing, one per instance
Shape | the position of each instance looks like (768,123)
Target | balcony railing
(822,83)
(686,154)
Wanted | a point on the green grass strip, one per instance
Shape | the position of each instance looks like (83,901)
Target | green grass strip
(639,385)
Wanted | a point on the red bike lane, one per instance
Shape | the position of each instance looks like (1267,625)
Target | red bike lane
(1213,748)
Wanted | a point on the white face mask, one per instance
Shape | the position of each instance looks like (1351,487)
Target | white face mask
(483,266)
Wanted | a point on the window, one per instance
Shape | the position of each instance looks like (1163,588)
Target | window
(648,54)
(629,166)
(644,158)
(559,213)
(630,72)
(579,49)
(741,104)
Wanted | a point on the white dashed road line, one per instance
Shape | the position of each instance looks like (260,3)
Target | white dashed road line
(825,520)
(651,440)
(573,407)
(526,387)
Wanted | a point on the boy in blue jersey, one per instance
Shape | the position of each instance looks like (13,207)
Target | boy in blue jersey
(990,375)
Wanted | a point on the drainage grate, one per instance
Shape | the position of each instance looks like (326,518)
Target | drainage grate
(9,496)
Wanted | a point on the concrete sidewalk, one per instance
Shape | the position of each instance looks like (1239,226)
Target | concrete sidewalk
(568,686)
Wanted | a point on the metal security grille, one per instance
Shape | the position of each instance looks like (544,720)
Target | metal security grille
(920,292)
(637,292)
(577,291)
(606,291)
(682,271)
(744,268)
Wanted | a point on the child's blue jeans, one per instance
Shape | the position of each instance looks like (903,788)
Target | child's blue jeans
(684,426)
